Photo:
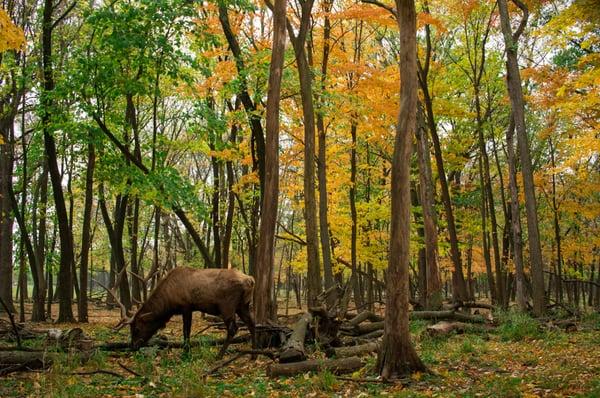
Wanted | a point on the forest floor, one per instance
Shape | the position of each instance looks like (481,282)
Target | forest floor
(516,359)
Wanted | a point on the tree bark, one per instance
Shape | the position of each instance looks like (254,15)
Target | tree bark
(65,311)
(397,355)
(517,101)
(308,112)
(515,218)
(322,169)
(82,307)
(265,257)
(293,349)
(433,298)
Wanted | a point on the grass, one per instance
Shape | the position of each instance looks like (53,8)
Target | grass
(516,326)
(516,359)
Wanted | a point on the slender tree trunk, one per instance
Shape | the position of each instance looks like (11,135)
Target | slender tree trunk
(310,205)
(65,311)
(82,307)
(6,218)
(354,234)
(459,290)
(265,256)
(515,219)
(397,355)
(517,101)
(484,236)
(322,169)
(433,299)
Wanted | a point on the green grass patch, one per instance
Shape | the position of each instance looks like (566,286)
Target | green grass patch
(516,326)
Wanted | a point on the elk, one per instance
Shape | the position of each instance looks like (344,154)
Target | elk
(183,290)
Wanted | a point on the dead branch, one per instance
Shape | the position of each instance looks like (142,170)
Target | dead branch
(338,366)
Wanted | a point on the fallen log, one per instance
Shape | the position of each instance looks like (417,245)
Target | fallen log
(443,328)
(370,336)
(357,350)
(327,328)
(293,349)
(365,328)
(12,361)
(124,346)
(363,316)
(337,366)
(446,315)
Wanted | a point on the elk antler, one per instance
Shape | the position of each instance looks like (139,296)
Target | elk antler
(125,318)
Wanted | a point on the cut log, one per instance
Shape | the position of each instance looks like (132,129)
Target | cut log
(338,366)
(293,349)
(365,328)
(357,350)
(370,336)
(363,316)
(443,328)
(12,361)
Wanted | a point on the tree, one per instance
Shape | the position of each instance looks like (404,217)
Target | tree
(397,355)
(515,92)
(264,308)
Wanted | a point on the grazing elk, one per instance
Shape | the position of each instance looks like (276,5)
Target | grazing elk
(183,290)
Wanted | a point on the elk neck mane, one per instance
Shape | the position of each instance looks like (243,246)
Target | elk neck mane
(157,306)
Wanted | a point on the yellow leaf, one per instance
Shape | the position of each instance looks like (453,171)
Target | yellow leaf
(11,36)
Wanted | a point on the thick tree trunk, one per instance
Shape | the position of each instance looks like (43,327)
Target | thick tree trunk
(517,101)
(263,306)
(397,355)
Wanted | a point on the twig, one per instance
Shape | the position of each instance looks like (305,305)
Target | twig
(133,372)
(12,322)
(360,380)
(272,355)
(99,371)
(224,363)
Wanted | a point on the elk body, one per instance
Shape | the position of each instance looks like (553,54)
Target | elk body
(221,292)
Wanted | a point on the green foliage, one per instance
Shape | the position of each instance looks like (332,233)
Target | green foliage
(515,326)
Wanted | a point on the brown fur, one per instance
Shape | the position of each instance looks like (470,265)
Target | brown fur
(223,292)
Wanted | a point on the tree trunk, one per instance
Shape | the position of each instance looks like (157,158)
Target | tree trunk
(6,218)
(65,311)
(397,355)
(517,101)
(515,219)
(82,307)
(433,299)
(263,307)
(322,169)
(308,112)
(353,240)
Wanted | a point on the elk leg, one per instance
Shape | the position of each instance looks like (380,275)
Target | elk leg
(187,329)
(231,331)
(246,316)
